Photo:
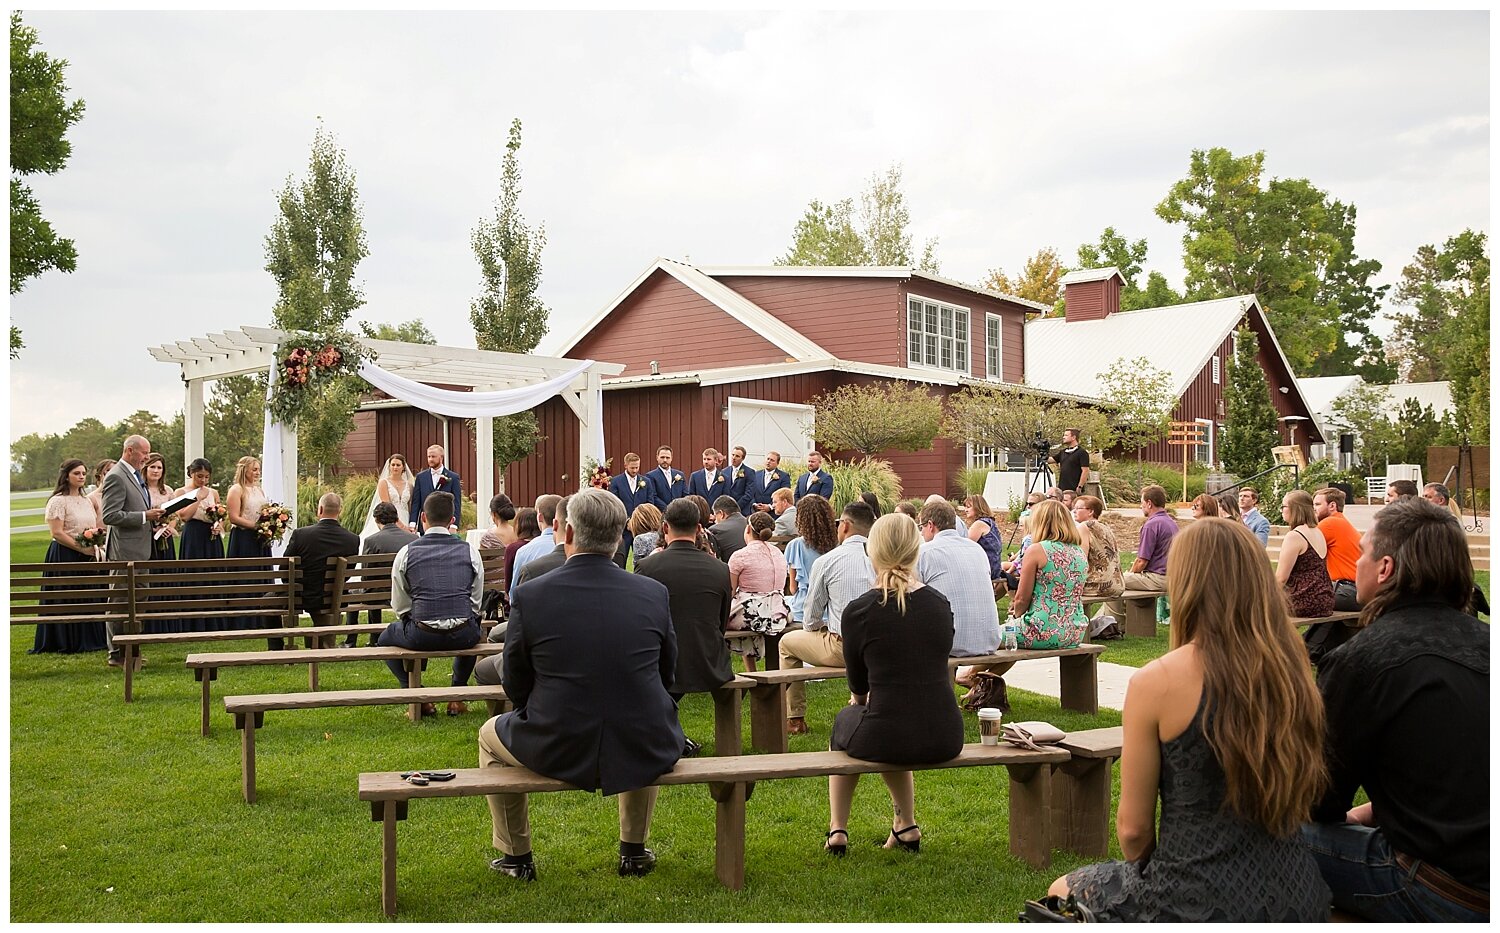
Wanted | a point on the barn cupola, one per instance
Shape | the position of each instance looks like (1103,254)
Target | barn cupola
(1092,294)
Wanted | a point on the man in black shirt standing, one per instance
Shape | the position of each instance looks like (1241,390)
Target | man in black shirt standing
(1408,705)
(1072,467)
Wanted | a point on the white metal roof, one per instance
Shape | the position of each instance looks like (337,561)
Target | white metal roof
(1437,394)
(1067,356)
(867,272)
(1090,275)
(722,296)
(1322,391)
(252,349)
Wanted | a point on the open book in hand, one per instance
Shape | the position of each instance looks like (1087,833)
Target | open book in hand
(181,502)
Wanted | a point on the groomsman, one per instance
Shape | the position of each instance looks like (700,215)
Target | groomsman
(667,484)
(631,487)
(739,480)
(816,479)
(436,477)
(708,482)
(764,482)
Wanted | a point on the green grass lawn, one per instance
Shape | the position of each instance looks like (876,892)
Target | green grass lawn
(124,813)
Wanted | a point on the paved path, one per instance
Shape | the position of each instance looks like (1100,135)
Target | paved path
(1040,676)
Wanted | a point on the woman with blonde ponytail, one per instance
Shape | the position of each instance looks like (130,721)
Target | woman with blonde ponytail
(1227,730)
(896,642)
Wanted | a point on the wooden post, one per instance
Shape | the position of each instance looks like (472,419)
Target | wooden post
(728,737)
(247,724)
(768,718)
(729,832)
(129,675)
(1080,806)
(413,681)
(388,858)
(206,675)
(1031,814)
(1078,682)
(1184,472)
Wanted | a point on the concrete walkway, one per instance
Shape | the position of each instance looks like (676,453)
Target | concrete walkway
(1041,676)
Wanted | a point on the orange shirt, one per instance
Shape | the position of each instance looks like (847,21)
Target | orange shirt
(1343,546)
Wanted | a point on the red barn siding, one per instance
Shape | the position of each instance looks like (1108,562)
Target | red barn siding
(666,321)
(360,448)
(1091,301)
(1012,324)
(853,319)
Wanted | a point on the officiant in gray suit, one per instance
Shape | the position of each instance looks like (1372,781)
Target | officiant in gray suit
(129,514)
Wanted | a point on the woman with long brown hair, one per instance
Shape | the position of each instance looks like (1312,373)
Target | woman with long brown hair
(1205,506)
(69,513)
(1302,567)
(1227,730)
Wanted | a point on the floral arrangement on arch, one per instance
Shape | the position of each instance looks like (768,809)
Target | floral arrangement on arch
(307,363)
(597,474)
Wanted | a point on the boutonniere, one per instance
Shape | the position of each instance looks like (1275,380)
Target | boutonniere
(676,477)
(718,478)
(739,473)
(640,484)
(442,481)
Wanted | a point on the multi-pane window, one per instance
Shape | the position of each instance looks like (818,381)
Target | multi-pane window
(937,335)
(992,366)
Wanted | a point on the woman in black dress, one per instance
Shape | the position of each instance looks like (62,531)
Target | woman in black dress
(202,534)
(901,707)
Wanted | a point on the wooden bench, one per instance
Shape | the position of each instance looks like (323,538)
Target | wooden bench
(1078,670)
(205,667)
(88,592)
(730,782)
(363,583)
(249,711)
(1081,790)
(1140,611)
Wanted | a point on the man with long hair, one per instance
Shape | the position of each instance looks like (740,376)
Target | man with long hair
(1408,704)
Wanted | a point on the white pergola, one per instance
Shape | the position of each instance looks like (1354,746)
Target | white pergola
(253,350)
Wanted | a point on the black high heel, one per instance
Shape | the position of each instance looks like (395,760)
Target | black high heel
(914,845)
(837,850)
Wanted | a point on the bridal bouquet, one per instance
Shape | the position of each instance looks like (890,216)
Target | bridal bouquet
(274,520)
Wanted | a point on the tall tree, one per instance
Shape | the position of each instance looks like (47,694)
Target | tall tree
(413,331)
(40,116)
(233,423)
(508,316)
(1039,281)
(1362,411)
(1446,334)
(832,235)
(1142,399)
(988,414)
(1285,242)
(1128,257)
(872,419)
(312,251)
(1249,418)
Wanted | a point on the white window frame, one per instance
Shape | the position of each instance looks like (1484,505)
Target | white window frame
(996,372)
(933,343)
(1216,369)
(1209,430)
(992,458)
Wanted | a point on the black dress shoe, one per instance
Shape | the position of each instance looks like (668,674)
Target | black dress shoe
(523,871)
(637,865)
(690,748)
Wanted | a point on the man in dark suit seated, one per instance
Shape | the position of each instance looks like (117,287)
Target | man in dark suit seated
(816,479)
(709,482)
(728,528)
(700,596)
(589,657)
(765,482)
(314,546)
(437,585)
(739,479)
(388,540)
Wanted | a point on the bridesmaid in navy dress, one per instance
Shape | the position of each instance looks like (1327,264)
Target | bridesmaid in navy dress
(246,499)
(202,536)
(69,512)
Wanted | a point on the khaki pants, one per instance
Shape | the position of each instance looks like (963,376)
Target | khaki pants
(819,649)
(508,812)
(1156,582)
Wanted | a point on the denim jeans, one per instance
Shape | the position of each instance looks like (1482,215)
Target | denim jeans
(404,634)
(1360,868)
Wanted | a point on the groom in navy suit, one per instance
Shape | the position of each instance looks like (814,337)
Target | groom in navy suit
(764,482)
(709,482)
(816,479)
(436,477)
(631,487)
(667,485)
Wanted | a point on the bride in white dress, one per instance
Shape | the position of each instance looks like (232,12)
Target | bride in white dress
(394,486)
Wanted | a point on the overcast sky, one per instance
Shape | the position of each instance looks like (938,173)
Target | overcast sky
(698,137)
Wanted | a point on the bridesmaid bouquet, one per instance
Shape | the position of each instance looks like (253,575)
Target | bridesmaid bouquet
(90,538)
(274,520)
(214,513)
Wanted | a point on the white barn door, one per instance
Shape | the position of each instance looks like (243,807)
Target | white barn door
(761,426)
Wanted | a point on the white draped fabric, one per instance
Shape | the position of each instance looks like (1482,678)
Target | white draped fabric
(272,471)
(469,404)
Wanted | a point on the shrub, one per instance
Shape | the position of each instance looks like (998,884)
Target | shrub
(969,481)
(1122,483)
(1319,474)
(308,492)
(867,475)
(359,492)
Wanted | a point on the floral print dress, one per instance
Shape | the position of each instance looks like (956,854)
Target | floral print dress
(1055,618)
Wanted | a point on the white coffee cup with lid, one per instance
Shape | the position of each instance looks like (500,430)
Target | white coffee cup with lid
(989,725)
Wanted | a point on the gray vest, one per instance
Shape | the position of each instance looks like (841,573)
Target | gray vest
(439,576)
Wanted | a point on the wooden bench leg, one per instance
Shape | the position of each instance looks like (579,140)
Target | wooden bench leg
(1078,682)
(1031,814)
(1140,618)
(728,737)
(768,718)
(413,681)
(247,724)
(729,832)
(1080,806)
(387,812)
(129,673)
(206,676)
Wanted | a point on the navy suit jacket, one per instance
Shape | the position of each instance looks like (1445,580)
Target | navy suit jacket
(739,488)
(709,487)
(590,653)
(423,486)
(629,496)
(759,492)
(662,494)
(823,487)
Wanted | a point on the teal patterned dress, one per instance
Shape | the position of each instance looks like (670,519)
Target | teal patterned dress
(1055,618)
